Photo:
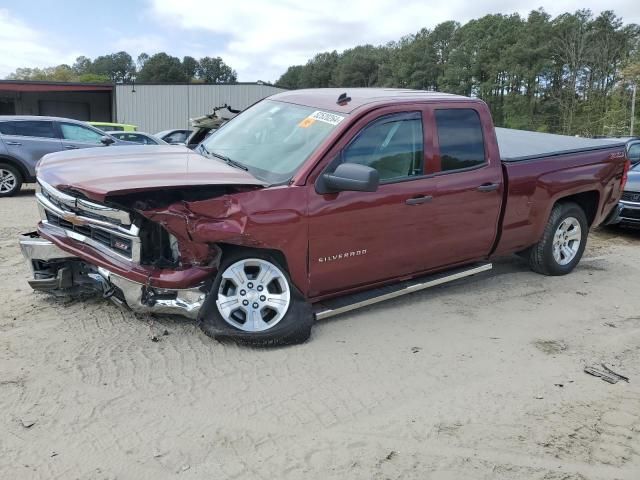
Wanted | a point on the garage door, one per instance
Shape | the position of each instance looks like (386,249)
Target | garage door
(56,108)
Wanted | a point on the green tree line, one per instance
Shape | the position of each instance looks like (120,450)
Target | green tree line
(571,74)
(120,68)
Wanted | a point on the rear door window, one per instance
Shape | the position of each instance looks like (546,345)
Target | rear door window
(29,128)
(393,145)
(6,128)
(460,139)
(78,133)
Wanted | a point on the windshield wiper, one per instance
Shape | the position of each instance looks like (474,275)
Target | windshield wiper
(224,158)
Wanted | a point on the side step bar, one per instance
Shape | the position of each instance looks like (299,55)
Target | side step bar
(337,306)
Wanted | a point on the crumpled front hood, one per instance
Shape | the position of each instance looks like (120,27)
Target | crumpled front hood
(103,171)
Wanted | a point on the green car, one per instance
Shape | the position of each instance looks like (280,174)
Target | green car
(114,127)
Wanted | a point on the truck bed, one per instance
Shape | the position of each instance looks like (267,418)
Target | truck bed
(519,145)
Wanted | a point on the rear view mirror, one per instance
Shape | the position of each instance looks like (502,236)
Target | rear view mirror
(349,177)
(106,140)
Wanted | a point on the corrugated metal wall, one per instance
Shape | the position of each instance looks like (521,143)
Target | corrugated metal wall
(161,107)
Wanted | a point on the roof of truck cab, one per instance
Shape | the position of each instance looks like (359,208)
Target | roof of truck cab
(327,98)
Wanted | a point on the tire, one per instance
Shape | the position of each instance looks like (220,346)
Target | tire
(557,253)
(10,180)
(290,325)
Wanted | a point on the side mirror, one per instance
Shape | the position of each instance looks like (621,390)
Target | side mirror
(107,140)
(349,177)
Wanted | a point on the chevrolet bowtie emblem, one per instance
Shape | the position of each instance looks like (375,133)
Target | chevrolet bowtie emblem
(74,220)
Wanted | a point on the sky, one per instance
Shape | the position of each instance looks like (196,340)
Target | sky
(258,38)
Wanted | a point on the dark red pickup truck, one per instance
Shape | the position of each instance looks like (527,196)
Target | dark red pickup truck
(315,202)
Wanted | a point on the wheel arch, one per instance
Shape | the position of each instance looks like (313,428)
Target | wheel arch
(229,248)
(294,327)
(16,164)
(588,201)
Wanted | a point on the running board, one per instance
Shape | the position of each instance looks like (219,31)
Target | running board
(337,306)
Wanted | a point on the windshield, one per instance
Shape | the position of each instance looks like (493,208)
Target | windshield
(272,139)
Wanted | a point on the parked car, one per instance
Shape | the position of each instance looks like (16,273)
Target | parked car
(310,203)
(633,150)
(114,127)
(176,136)
(207,124)
(138,137)
(628,211)
(25,139)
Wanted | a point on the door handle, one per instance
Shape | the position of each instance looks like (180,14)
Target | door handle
(70,147)
(488,187)
(419,200)
(17,144)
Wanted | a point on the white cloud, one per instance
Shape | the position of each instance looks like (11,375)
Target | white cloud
(23,46)
(265,37)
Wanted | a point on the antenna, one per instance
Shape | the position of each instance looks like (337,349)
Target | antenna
(343,99)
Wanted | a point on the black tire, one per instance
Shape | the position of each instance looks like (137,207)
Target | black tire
(293,328)
(540,255)
(18,182)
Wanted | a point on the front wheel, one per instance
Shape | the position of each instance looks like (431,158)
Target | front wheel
(10,180)
(563,241)
(253,300)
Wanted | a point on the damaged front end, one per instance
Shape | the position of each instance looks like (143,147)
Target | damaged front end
(57,272)
(84,247)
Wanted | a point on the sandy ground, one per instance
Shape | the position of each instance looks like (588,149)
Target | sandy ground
(481,379)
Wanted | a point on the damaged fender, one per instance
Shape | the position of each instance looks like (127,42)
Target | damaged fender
(272,219)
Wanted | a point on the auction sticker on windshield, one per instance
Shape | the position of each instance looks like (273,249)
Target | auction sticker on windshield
(326,117)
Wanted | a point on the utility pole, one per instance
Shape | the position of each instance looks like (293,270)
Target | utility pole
(633,106)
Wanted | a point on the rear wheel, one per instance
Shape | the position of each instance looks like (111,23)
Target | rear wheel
(563,241)
(254,301)
(10,180)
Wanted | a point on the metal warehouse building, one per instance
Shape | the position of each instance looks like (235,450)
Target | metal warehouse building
(160,107)
(152,107)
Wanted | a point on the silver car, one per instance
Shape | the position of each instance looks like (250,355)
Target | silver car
(628,212)
(25,139)
(139,138)
(175,136)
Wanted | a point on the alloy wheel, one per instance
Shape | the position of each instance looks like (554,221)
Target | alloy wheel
(8,181)
(566,241)
(253,295)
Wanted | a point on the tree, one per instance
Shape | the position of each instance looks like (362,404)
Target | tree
(319,71)
(119,67)
(162,68)
(82,65)
(291,78)
(567,74)
(141,60)
(190,67)
(60,73)
(214,70)
(359,66)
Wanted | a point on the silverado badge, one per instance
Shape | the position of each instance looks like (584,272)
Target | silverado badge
(342,256)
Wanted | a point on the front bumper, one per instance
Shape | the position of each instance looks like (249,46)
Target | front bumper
(625,213)
(58,272)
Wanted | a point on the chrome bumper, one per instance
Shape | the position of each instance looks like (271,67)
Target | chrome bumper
(625,212)
(37,248)
(58,272)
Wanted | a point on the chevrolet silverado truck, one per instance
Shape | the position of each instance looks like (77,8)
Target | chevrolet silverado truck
(315,202)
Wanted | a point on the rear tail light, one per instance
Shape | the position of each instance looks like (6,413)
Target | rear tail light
(625,173)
